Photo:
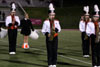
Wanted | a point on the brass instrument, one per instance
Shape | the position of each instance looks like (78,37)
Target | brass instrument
(52,33)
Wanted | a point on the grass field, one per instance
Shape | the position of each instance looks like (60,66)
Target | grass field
(69,52)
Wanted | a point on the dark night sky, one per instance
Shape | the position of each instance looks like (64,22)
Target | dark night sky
(79,2)
(82,2)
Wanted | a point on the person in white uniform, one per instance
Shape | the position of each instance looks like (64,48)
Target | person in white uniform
(92,31)
(12,23)
(82,27)
(50,29)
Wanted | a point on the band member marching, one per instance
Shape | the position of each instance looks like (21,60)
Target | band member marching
(50,29)
(12,22)
(93,31)
(82,27)
(26,30)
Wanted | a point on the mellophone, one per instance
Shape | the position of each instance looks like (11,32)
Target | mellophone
(52,33)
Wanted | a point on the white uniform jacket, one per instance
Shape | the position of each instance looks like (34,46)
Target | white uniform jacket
(9,20)
(82,26)
(90,28)
(46,26)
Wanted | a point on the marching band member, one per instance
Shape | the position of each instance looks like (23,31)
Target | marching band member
(93,31)
(26,30)
(82,27)
(50,29)
(12,22)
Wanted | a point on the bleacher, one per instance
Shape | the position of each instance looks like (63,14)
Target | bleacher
(26,3)
(5,6)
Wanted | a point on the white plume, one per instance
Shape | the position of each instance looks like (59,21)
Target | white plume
(96,9)
(86,9)
(13,6)
(51,7)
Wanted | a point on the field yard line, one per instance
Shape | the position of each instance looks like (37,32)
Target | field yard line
(74,59)
(67,57)
(4,41)
(69,40)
